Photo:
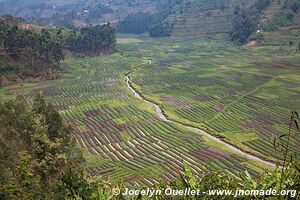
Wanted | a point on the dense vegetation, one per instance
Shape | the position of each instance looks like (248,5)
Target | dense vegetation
(37,152)
(246,20)
(282,18)
(161,29)
(27,52)
(92,40)
(154,24)
(136,23)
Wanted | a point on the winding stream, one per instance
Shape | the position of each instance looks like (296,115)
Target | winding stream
(164,118)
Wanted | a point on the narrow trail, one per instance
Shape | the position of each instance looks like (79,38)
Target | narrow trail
(163,117)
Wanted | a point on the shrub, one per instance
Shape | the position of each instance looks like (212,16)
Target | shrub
(295,7)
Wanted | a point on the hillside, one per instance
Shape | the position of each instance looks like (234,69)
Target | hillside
(197,17)
(193,18)
(276,13)
(33,53)
(201,18)
(181,18)
(76,13)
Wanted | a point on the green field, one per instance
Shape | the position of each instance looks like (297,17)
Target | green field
(242,94)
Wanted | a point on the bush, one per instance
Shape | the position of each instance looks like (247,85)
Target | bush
(163,29)
(280,19)
(295,7)
(257,36)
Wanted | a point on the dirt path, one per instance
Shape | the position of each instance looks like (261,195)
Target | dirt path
(162,116)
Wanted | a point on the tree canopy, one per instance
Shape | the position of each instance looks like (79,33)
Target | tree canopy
(25,51)
(36,150)
(245,21)
(92,40)
(136,23)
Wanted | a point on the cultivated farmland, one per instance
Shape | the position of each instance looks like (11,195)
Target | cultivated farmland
(243,95)
(229,91)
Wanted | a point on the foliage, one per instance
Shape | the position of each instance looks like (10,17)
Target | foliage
(35,148)
(283,143)
(92,40)
(283,18)
(257,36)
(32,50)
(136,23)
(244,24)
(261,5)
(245,21)
(154,24)
(162,29)
(25,52)
(295,7)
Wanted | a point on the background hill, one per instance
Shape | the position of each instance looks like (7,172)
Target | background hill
(158,17)
(200,17)
(76,12)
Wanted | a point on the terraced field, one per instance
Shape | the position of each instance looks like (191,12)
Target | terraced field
(204,17)
(243,95)
(121,136)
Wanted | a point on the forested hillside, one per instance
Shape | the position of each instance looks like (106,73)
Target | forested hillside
(26,52)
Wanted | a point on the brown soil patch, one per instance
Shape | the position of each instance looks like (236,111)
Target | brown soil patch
(178,104)
(208,154)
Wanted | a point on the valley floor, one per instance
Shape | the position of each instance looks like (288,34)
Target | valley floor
(242,95)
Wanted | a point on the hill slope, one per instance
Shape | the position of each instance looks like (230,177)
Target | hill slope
(76,12)
(186,17)
(198,17)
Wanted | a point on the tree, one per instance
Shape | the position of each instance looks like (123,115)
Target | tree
(261,5)
(32,51)
(54,123)
(163,29)
(33,160)
(295,7)
(136,23)
(92,40)
(244,24)
(26,178)
(39,104)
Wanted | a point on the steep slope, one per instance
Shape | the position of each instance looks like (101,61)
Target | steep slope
(199,17)
(276,18)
